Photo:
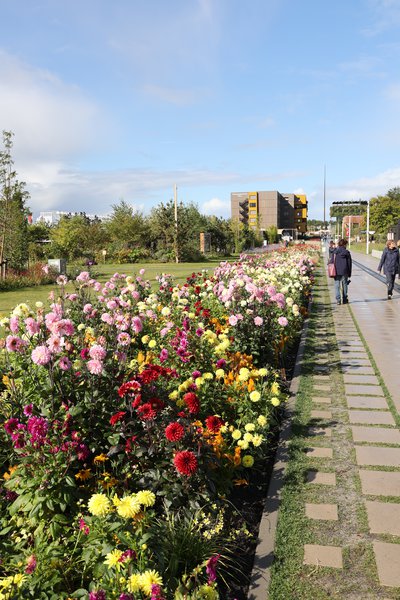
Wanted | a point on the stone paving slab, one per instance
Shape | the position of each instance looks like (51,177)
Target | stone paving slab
(350,343)
(358,362)
(320,400)
(321,414)
(387,558)
(378,435)
(371,417)
(383,517)
(363,379)
(366,402)
(378,457)
(322,389)
(320,431)
(368,390)
(380,483)
(358,370)
(318,452)
(325,512)
(323,556)
(354,353)
(321,478)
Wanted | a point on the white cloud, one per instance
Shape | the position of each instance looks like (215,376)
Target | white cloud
(50,119)
(216,207)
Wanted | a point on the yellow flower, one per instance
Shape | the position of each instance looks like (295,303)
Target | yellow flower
(236,434)
(262,421)
(244,374)
(262,372)
(149,578)
(99,505)
(83,474)
(219,373)
(249,427)
(145,339)
(208,376)
(128,507)
(275,388)
(255,396)
(248,437)
(243,444)
(257,440)
(146,498)
(247,460)
(165,311)
(100,458)
(113,559)
(152,343)
(134,583)
(275,401)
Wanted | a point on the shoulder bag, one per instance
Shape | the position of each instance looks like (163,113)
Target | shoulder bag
(332,267)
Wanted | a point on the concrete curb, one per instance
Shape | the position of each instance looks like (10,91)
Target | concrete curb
(264,555)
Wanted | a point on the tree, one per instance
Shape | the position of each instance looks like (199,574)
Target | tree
(385,211)
(163,232)
(13,211)
(126,227)
(222,238)
(77,236)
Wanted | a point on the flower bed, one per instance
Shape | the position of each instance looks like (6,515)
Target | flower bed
(128,417)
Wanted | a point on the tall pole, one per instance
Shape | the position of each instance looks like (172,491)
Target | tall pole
(176,222)
(349,231)
(324,195)
(368,227)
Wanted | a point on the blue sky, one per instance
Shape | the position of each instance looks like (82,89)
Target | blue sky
(123,99)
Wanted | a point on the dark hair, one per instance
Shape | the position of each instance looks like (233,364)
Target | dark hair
(342,242)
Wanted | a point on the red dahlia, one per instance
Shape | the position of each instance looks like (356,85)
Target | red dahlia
(174,432)
(117,417)
(146,412)
(214,423)
(192,402)
(185,463)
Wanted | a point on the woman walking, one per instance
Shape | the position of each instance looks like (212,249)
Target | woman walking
(390,264)
(343,264)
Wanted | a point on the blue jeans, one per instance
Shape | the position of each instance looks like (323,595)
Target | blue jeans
(341,282)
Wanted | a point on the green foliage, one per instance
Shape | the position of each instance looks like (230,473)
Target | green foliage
(385,211)
(13,212)
(272,234)
(126,228)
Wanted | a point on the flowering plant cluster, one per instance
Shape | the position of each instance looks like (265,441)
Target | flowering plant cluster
(116,389)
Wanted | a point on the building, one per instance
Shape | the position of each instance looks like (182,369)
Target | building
(52,217)
(260,210)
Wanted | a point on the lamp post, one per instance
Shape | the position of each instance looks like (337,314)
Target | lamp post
(367,248)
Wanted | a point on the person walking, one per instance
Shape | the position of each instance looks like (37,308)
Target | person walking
(331,249)
(343,264)
(390,264)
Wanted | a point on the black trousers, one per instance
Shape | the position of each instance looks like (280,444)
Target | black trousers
(390,277)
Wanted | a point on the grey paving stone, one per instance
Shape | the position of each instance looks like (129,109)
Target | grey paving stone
(321,478)
(380,483)
(321,414)
(383,517)
(378,435)
(387,558)
(352,378)
(350,343)
(325,512)
(359,362)
(318,452)
(320,390)
(320,431)
(323,556)
(366,402)
(378,457)
(357,370)
(371,417)
(320,400)
(361,390)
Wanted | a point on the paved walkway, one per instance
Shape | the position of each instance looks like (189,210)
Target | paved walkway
(352,445)
(374,434)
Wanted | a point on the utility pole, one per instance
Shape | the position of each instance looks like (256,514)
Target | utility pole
(324,195)
(367,227)
(176,222)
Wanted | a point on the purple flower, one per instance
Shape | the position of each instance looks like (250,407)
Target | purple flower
(28,409)
(64,363)
(99,595)
(211,568)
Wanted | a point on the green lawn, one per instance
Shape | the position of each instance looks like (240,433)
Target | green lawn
(180,271)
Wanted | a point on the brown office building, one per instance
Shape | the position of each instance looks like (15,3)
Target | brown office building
(260,210)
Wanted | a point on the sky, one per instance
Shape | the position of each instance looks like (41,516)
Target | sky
(114,100)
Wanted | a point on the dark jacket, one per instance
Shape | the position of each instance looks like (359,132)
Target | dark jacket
(389,261)
(342,258)
(331,250)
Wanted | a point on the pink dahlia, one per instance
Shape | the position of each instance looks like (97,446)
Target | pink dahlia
(41,355)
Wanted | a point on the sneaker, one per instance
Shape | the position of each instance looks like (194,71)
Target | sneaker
(389,296)
(345,301)
(338,302)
